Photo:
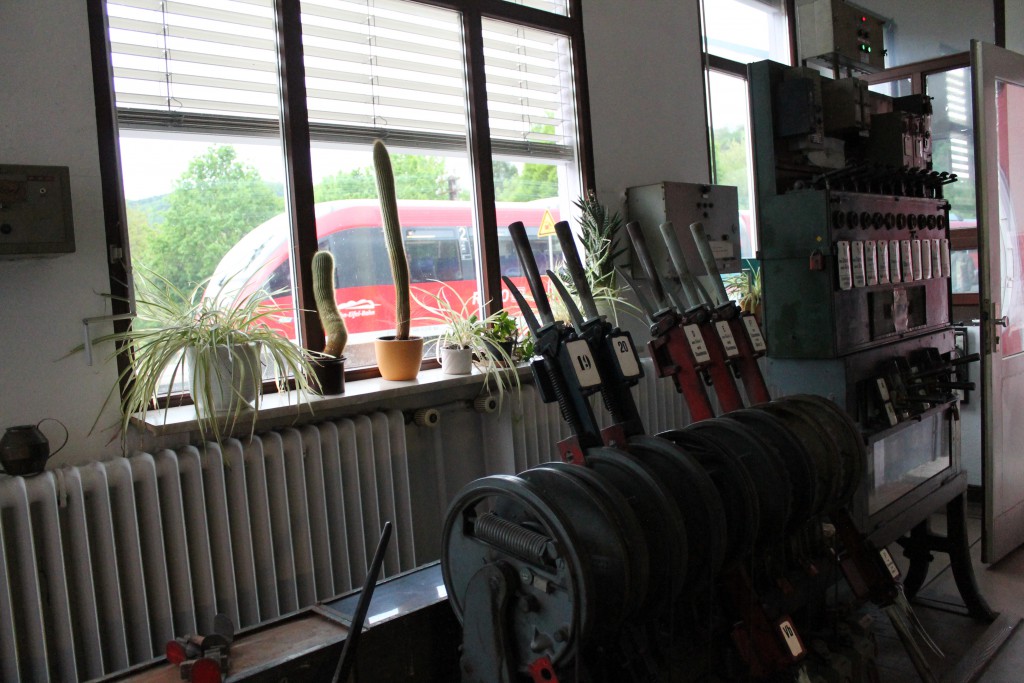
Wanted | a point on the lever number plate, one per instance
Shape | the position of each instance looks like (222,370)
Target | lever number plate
(583,363)
(700,352)
(796,647)
(728,341)
(754,332)
(625,354)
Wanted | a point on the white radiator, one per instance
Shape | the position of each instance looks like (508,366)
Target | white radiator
(100,565)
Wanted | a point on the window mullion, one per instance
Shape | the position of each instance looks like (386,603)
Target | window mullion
(298,168)
(481,156)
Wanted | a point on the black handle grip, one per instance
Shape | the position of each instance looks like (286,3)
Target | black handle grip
(640,244)
(525,253)
(575,266)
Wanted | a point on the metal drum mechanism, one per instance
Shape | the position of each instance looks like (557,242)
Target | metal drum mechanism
(652,557)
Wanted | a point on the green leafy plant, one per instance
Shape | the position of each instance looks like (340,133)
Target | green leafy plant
(230,348)
(600,233)
(335,331)
(463,328)
(745,286)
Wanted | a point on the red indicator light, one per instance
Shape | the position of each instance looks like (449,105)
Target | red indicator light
(863,18)
(175,652)
(206,670)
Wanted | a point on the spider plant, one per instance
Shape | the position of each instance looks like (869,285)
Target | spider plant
(223,345)
(463,328)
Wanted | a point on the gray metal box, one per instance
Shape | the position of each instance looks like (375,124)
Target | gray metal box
(833,27)
(716,206)
(35,211)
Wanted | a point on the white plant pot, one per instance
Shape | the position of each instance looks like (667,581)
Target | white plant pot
(229,383)
(456,361)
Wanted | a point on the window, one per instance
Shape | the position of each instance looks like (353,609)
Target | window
(737,32)
(227,176)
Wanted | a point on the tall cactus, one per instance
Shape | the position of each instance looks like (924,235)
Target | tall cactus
(327,305)
(393,237)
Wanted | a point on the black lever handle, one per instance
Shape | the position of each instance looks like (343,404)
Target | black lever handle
(646,262)
(575,266)
(531,319)
(525,253)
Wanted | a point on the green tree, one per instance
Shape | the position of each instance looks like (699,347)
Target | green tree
(731,162)
(537,181)
(214,203)
(416,177)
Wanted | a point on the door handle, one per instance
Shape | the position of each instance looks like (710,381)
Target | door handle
(1004,321)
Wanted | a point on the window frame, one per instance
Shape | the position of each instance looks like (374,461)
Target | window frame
(296,141)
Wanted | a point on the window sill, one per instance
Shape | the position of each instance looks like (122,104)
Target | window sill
(431,387)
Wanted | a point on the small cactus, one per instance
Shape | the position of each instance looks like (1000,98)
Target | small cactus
(327,305)
(393,237)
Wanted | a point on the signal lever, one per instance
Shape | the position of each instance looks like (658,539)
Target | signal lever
(613,348)
(677,345)
(562,355)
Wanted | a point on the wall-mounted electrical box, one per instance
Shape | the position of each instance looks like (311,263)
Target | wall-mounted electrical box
(831,29)
(35,211)
(715,206)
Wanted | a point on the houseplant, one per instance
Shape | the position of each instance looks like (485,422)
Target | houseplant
(600,233)
(224,346)
(328,367)
(398,357)
(745,287)
(466,338)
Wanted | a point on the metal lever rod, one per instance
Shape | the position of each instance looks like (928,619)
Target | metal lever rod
(700,238)
(522,246)
(645,303)
(575,267)
(668,235)
(642,253)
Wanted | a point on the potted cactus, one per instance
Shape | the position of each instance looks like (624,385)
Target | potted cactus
(328,367)
(398,357)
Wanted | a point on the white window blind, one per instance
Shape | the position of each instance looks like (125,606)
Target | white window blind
(530,96)
(555,6)
(374,68)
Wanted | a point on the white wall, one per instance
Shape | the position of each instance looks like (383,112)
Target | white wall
(646,94)
(48,119)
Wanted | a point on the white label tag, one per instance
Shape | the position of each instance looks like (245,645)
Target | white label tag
(796,648)
(754,332)
(894,262)
(944,247)
(907,261)
(883,262)
(871,262)
(937,259)
(926,259)
(890,412)
(700,352)
(583,364)
(894,571)
(915,250)
(857,263)
(728,341)
(843,265)
(883,389)
(625,354)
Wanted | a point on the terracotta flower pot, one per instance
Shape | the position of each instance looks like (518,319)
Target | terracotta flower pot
(399,359)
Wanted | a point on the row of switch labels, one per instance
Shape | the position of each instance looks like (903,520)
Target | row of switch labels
(874,262)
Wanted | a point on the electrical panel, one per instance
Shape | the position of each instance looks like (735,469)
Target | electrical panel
(35,211)
(715,206)
(833,30)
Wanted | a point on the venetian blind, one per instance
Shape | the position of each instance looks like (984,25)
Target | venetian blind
(373,68)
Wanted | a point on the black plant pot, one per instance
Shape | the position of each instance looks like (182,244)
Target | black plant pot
(330,373)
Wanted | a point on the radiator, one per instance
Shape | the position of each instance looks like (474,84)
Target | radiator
(102,564)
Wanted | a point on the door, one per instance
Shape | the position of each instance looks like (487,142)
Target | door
(998,77)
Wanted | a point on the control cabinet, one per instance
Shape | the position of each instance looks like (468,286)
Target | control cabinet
(849,270)
(35,211)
